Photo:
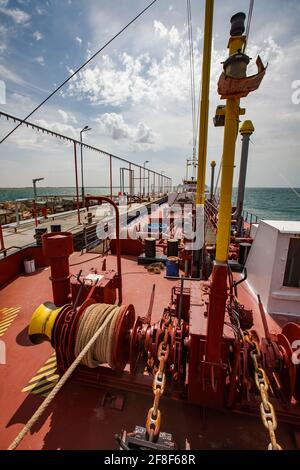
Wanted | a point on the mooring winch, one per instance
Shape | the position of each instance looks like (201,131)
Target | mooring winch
(133,353)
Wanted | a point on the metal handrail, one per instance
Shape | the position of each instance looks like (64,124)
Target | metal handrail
(10,248)
(211,211)
(254,219)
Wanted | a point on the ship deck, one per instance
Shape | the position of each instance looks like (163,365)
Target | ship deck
(17,236)
(78,418)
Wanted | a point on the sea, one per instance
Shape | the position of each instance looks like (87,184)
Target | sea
(265,203)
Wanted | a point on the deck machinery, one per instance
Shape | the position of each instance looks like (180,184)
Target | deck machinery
(204,350)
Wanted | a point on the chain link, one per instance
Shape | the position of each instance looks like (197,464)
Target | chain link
(267,411)
(153,421)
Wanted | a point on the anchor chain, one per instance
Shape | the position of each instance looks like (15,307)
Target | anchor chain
(267,410)
(153,421)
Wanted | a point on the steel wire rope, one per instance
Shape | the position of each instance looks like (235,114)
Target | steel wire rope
(192,74)
(251,6)
(78,70)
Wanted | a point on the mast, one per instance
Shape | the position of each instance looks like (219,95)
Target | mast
(233,85)
(204,107)
(232,114)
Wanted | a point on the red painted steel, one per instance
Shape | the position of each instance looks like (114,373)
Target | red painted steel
(35,214)
(140,182)
(110,176)
(240,87)
(128,246)
(101,199)
(216,314)
(103,292)
(12,265)
(83,405)
(2,247)
(76,182)
(57,248)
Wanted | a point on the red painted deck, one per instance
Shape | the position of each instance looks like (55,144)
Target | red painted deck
(77,419)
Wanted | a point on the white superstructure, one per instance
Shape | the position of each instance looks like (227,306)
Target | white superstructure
(273,266)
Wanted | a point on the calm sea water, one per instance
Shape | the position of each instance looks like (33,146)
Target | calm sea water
(266,203)
(272,203)
(11,194)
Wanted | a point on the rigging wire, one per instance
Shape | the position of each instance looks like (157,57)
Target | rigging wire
(192,75)
(251,5)
(216,192)
(79,69)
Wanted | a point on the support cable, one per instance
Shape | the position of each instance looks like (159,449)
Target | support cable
(78,70)
(192,74)
(251,6)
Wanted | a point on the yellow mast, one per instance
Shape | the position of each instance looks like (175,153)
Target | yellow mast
(232,114)
(204,108)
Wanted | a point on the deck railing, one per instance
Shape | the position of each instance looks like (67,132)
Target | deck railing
(250,218)
(211,212)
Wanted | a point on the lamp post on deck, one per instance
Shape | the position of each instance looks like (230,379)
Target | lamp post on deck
(85,129)
(34,181)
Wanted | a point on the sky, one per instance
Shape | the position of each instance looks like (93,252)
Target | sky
(136,94)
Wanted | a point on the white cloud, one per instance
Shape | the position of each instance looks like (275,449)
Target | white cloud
(3,38)
(38,36)
(78,39)
(147,90)
(123,78)
(40,11)
(60,128)
(64,115)
(113,125)
(162,32)
(67,117)
(19,16)
(40,60)
(9,75)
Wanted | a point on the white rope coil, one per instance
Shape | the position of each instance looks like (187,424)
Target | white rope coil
(91,321)
(96,324)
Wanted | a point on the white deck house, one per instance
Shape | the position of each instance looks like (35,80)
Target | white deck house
(273,266)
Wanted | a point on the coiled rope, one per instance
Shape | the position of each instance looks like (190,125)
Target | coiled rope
(97,323)
(91,321)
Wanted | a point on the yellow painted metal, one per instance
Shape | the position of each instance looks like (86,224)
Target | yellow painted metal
(204,107)
(236,43)
(45,379)
(230,135)
(247,128)
(7,316)
(42,322)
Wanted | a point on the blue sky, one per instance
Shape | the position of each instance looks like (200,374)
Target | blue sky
(135,96)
